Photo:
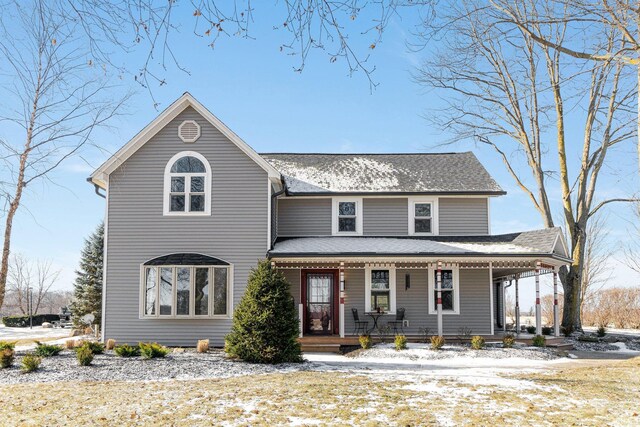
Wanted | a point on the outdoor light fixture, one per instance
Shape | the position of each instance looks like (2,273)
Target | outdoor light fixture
(407,281)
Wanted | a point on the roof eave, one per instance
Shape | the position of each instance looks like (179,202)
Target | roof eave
(396,193)
(556,257)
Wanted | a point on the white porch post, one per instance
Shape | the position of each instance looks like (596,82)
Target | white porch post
(439,297)
(504,305)
(556,312)
(538,307)
(341,306)
(517,307)
(300,311)
(491,302)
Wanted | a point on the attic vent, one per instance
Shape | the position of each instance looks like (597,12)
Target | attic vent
(189,131)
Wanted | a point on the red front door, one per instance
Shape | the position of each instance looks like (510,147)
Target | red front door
(320,294)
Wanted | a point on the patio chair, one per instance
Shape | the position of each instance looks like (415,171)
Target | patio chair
(359,325)
(398,322)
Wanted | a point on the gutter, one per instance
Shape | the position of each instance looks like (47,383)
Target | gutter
(97,188)
(276,255)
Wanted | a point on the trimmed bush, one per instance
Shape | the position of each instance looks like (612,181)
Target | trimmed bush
(265,325)
(601,332)
(437,342)
(84,355)
(94,346)
(70,344)
(126,350)
(477,342)
(365,341)
(23,321)
(30,362)
(531,329)
(111,343)
(152,350)
(7,345)
(539,341)
(547,330)
(508,341)
(400,342)
(47,350)
(203,346)
(7,356)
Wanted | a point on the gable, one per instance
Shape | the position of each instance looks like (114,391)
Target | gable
(186,101)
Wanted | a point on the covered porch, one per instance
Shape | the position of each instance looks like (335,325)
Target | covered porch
(338,298)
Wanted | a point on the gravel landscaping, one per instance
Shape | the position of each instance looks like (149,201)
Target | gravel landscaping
(420,352)
(109,367)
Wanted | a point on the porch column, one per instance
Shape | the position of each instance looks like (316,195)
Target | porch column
(538,307)
(517,307)
(341,306)
(556,312)
(439,296)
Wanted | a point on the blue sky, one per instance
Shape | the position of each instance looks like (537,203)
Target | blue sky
(251,86)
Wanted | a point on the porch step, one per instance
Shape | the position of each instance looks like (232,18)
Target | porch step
(320,348)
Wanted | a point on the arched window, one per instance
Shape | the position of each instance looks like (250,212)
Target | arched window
(187,185)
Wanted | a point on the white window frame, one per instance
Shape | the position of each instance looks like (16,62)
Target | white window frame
(187,186)
(392,287)
(192,288)
(434,215)
(456,290)
(335,216)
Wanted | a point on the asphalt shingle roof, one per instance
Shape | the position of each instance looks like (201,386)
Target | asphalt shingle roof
(536,242)
(458,173)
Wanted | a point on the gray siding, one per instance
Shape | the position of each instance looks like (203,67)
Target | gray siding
(236,231)
(475,301)
(304,217)
(385,217)
(458,216)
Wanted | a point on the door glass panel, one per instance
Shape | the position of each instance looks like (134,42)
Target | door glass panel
(320,303)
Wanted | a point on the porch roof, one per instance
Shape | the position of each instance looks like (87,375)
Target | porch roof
(547,243)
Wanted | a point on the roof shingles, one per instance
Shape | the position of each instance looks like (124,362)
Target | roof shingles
(383,173)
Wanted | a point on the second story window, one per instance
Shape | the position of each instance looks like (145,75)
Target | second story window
(347,216)
(423,216)
(187,185)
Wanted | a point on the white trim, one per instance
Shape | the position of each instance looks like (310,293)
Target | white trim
(390,196)
(488,216)
(174,316)
(334,216)
(189,140)
(186,100)
(269,215)
(104,265)
(456,289)
(392,286)
(187,185)
(491,285)
(434,215)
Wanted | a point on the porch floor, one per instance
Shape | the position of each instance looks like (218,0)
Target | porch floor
(336,344)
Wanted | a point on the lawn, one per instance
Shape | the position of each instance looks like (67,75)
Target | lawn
(603,394)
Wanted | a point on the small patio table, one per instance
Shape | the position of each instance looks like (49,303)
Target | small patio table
(375,316)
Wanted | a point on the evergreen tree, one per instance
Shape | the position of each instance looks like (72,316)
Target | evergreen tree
(265,324)
(87,292)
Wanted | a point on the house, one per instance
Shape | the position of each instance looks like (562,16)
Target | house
(191,208)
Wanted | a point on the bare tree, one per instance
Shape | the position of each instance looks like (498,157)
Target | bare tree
(596,272)
(55,100)
(30,283)
(515,95)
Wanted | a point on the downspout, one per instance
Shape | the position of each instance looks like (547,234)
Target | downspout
(273,198)
(96,188)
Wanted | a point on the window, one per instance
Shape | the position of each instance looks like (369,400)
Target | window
(184,291)
(187,185)
(347,216)
(423,216)
(450,286)
(380,291)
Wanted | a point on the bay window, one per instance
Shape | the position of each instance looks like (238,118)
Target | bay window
(186,291)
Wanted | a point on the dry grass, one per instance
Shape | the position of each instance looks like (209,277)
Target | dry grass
(594,395)
(110,345)
(203,346)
